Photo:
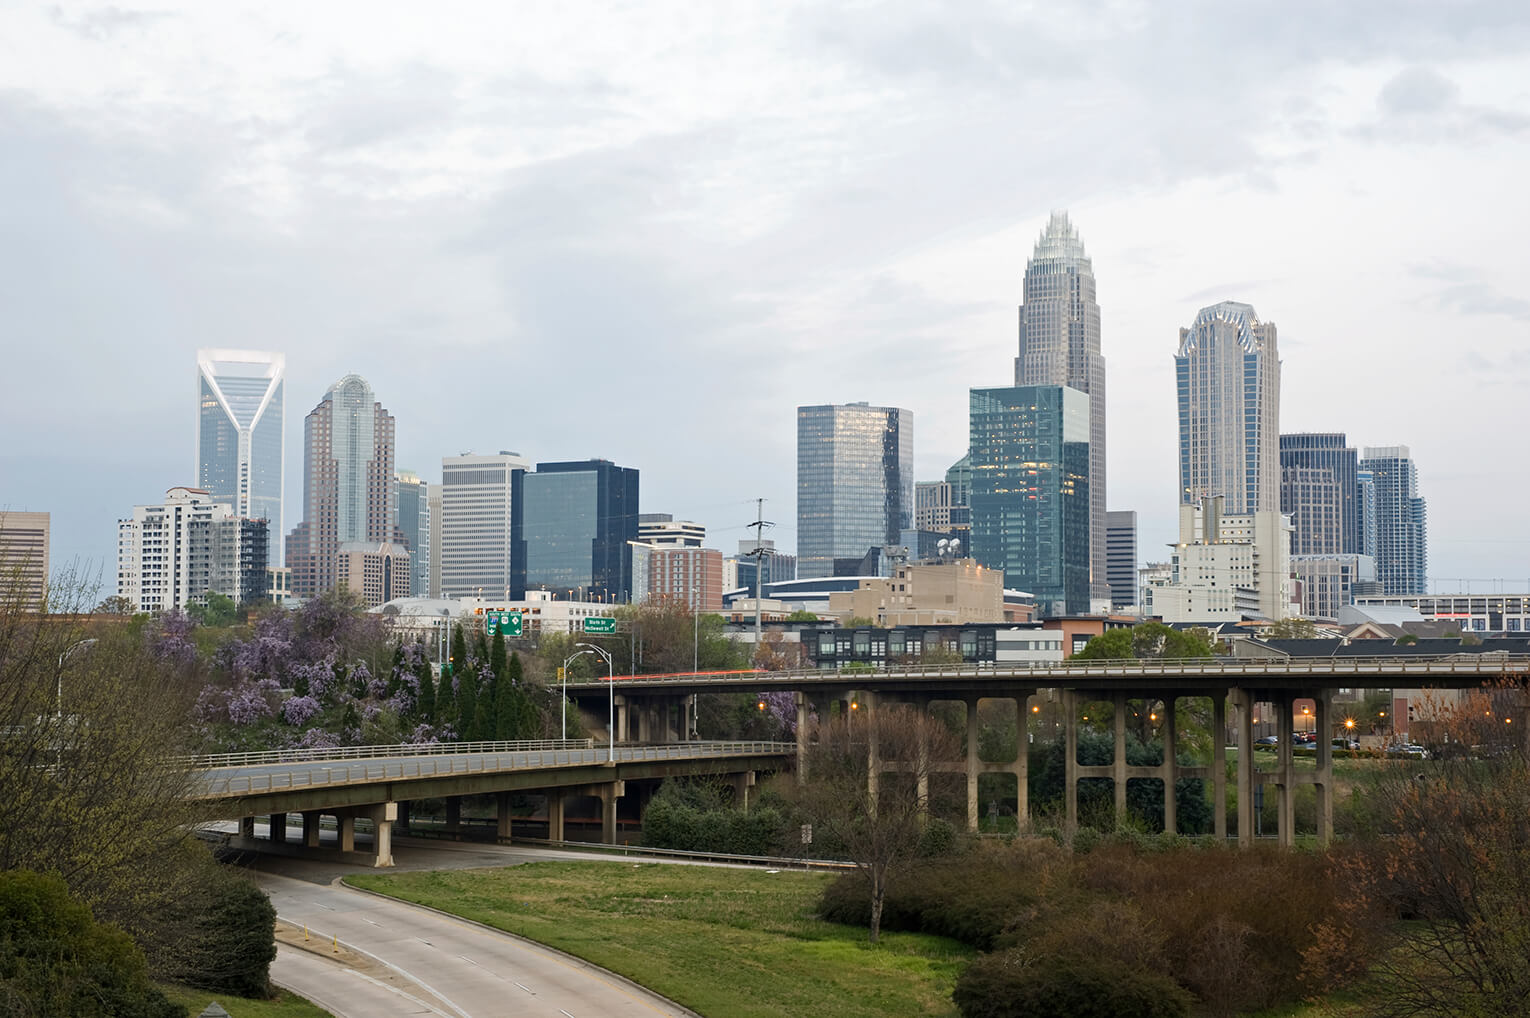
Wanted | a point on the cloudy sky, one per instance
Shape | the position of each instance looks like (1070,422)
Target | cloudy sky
(649,231)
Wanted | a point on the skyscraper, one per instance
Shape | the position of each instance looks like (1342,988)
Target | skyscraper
(855,484)
(477,510)
(1228,374)
(1319,491)
(171,556)
(24,559)
(241,416)
(1030,491)
(1121,557)
(347,485)
(1402,550)
(572,526)
(412,499)
(1060,345)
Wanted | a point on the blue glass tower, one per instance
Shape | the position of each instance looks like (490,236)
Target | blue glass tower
(855,485)
(570,527)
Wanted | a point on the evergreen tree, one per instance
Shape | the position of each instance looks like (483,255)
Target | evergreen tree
(513,706)
(467,705)
(425,702)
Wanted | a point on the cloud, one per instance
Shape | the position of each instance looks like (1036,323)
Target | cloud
(107,23)
(1462,291)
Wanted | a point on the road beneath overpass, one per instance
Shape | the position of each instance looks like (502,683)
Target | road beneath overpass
(398,959)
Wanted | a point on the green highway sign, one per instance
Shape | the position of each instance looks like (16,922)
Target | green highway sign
(599,624)
(508,623)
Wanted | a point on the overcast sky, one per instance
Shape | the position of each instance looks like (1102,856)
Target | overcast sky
(649,231)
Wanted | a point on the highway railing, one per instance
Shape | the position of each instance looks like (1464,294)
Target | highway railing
(227,782)
(1491,664)
(278,756)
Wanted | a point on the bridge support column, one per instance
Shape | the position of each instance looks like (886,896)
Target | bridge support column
(502,815)
(623,731)
(609,793)
(555,815)
(1170,768)
(1285,729)
(1070,760)
(1023,763)
(1118,764)
(922,760)
(873,749)
(454,816)
(277,828)
(742,782)
(345,828)
(382,816)
(311,829)
(1219,764)
(1243,700)
(403,818)
(972,762)
(1323,779)
(802,737)
(247,828)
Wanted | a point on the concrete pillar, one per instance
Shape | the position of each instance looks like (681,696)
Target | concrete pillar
(555,814)
(247,827)
(1169,768)
(382,816)
(609,793)
(873,750)
(1070,759)
(623,720)
(802,738)
(1324,776)
(1219,764)
(502,815)
(1023,764)
(1118,769)
(972,764)
(345,824)
(403,818)
(278,828)
(742,782)
(922,759)
(311,829)
(1286,821)
(1244,701)
(454,816)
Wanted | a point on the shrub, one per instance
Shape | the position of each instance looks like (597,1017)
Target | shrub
(219,936)
(1019,984)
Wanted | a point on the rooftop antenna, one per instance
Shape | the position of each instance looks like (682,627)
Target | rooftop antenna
(759,525)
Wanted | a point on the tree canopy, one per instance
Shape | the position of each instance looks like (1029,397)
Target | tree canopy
(1143,641)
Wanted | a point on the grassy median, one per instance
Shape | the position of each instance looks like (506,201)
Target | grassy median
(726,943)
(284,1005)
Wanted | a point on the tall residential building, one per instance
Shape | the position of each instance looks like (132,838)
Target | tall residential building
(171,556)
(24,559)
(1228,375)
(1365,498)
(573,522)
(855,484)
(347,484)
(1402,552)
(936,510)
(433,500)
(477,519)
(1121,557)
(1030,491)
(1331,582)
(241,432)
(1060,345)
(680,574)
(412,499)
(1319,491)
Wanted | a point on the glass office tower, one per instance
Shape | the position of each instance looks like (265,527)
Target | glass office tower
(1402,545)
(571,526)
(1319,491)
(1030,491)
(1227,372)
(240,432)
(1060,345)
(855,484)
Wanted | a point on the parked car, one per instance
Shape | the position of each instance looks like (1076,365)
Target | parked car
(1304,739)
(1342,743)
(1268,740)
(1414,750)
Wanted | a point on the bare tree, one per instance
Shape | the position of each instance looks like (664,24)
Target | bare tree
(867,789)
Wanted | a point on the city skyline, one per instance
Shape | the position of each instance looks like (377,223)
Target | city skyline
(516,260)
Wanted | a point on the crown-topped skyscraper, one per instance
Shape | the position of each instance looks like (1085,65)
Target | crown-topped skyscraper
(1060,345)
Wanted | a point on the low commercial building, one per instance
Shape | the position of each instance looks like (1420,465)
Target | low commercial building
(931,593)
(24,558)
(1227,567)
(992,643)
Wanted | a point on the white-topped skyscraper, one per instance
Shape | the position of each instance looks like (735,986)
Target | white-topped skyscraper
(1227,372)
(1060,345)
(241,433)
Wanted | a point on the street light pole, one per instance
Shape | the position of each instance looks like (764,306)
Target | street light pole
(611,697)
(566,662)
(59,709)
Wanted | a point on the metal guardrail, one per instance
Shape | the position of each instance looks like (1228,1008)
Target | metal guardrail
(415,767)
(279,756)
(1447,664)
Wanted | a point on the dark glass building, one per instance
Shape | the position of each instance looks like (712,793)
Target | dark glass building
(1318,490)
(1030,491)
(571,524)
(1402,521)
(855,484)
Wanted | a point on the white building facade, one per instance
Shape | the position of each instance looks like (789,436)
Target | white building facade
(1227,567)
(171,556)
(477,502)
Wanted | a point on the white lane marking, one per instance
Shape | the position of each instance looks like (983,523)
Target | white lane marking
(369,922)
(424,941)
(403,973)
(526,988)
(407,996)
(561,1011)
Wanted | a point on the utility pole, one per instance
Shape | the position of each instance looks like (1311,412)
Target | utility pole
(759,525)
